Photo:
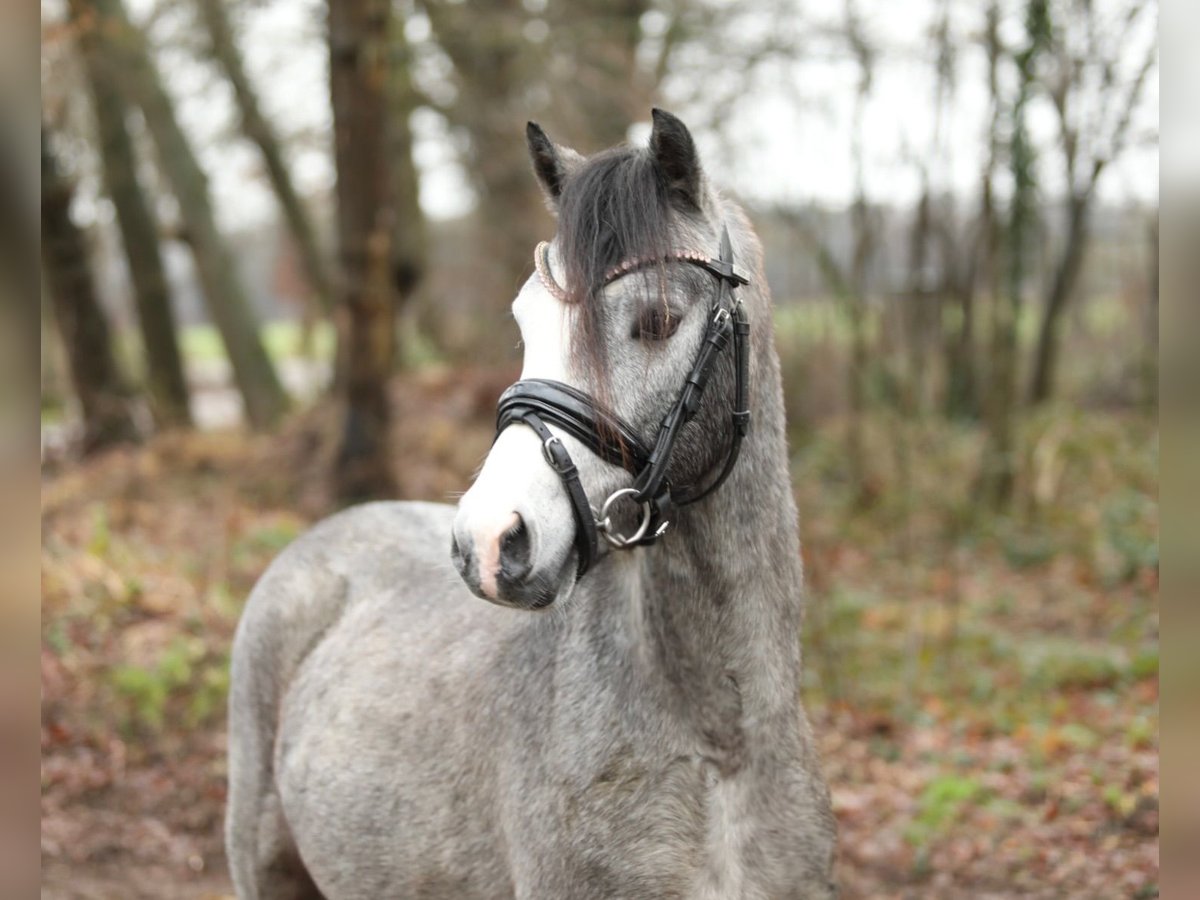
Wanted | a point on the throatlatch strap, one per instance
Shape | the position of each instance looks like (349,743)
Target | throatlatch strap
(587,540)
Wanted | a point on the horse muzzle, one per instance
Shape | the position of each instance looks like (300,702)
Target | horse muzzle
(498,561)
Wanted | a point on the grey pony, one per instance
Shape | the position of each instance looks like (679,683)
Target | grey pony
(390,736)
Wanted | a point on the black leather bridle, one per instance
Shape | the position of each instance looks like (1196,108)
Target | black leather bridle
(535,401)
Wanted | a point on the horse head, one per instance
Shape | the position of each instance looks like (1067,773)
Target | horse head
(628,408)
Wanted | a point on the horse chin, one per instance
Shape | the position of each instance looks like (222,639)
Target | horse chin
(548,591)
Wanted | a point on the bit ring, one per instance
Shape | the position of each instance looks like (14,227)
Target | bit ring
(604,522)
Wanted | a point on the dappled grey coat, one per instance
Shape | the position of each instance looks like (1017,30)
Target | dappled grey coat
(393,736)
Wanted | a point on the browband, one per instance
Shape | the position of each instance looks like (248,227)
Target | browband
(718,267)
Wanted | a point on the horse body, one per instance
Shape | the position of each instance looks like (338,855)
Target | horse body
(391,736)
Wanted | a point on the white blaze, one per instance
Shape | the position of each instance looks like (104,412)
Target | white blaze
(545,331)
(515,477)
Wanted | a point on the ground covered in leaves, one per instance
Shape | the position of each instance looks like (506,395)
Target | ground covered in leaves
(984,687)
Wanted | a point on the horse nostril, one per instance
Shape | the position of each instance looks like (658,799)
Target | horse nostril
(515,563)
(460,555)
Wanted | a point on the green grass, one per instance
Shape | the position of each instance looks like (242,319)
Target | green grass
(940,805)
(824,319)
(283,340)
(1058,594)
(187,681)
(202,343)
(811,322)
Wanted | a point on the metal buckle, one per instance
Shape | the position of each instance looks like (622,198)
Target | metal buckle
(604,523)
(549,457)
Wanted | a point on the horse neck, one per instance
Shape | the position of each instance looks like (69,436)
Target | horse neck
(712,612)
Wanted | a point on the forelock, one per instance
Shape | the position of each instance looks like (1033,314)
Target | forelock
(613,208)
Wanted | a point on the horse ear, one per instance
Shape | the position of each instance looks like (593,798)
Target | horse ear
(675,155)
(551,163)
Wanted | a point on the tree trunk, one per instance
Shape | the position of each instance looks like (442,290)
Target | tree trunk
(863,221)
(494,62)
(358,31)
(410,247)
(607,91)
(228,303)
(409,239)
(107,419)
(139,233)
(500,85)
(965,261)
(21,319)
(1045,362)
(998,473)
(1149,367)
(959,350)
(848,285)
(859,369)
(918,322)
(259,130)
(54,374)
(998,470)
(999,465)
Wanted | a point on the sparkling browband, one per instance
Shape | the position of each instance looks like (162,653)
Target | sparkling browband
(541,260)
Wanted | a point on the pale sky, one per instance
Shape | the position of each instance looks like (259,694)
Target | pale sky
(791,132)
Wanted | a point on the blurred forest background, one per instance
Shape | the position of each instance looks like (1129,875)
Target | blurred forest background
(279,241)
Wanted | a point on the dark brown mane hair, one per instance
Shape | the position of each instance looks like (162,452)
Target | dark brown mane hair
(615,207)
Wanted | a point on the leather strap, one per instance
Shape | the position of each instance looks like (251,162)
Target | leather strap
(741,409)
(602,431)
(587,540)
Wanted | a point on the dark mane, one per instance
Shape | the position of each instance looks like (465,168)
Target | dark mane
(613,208)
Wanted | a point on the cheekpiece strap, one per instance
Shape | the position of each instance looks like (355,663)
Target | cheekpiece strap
(587,541)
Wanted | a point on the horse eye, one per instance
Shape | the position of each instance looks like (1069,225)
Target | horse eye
(655,324)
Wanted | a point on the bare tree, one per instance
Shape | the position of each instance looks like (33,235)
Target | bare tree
(603,88)
(228,304)
(575,63)
(865,239)
(409,239)
(1095,110)
(358,72)
(849,281)
(959,248)
(703,37)
(139,231)
(999,464)
(996,413)
(103,396)
(494,64)
(258,129)
(22,317)
(1149,365)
